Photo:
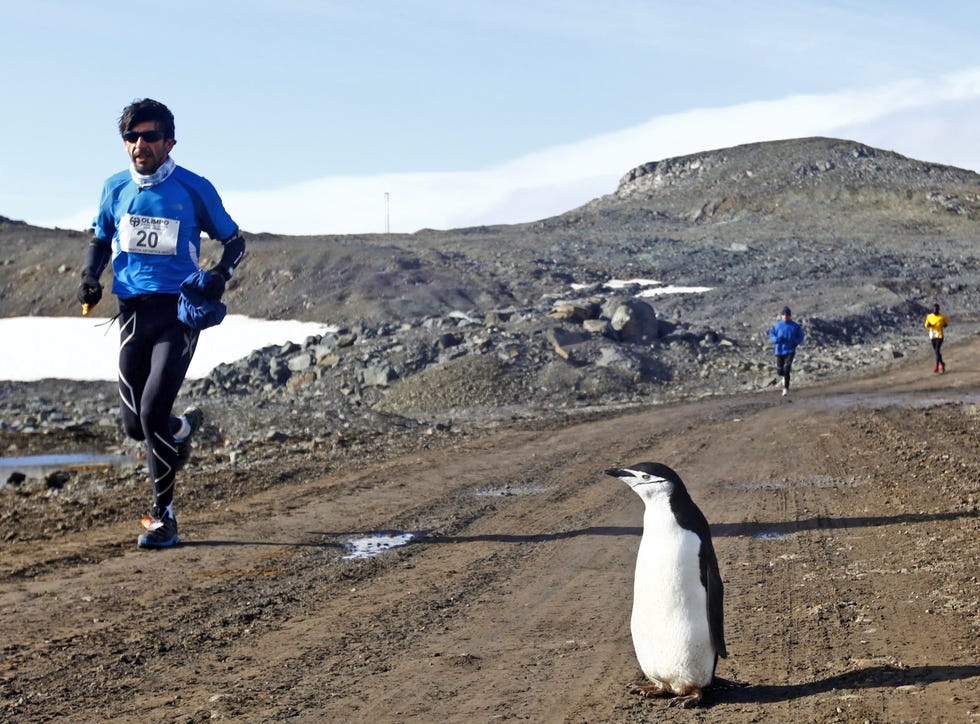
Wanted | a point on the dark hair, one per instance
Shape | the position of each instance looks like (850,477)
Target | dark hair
(935,309)
(145,110)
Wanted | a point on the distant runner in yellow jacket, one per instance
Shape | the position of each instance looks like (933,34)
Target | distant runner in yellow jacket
(935,322)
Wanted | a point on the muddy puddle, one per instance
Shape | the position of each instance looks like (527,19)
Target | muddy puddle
(40,466)
(376,544)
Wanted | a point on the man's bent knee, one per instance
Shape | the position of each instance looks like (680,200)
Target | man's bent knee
(133,428)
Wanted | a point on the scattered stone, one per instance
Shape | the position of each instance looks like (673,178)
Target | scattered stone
(56,480)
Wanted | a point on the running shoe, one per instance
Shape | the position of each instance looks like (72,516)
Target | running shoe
(160,529)
(194,418)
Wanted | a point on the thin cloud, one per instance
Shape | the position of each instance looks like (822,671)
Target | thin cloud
(559,178)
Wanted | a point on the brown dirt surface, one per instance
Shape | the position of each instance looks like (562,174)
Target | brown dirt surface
(845,522)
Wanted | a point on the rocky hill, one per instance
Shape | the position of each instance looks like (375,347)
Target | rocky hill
(857,240)
(816,188)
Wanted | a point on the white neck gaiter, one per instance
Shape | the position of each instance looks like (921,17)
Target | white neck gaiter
(158,177)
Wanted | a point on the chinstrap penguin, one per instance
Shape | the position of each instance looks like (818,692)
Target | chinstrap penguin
(678,621)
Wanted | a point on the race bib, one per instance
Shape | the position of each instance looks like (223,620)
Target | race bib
(148,235)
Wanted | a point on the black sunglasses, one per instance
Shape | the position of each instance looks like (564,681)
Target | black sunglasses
(147,136)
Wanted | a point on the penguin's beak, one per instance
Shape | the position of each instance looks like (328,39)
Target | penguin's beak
(617,472)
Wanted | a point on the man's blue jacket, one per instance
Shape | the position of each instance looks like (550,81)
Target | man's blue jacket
(786,335)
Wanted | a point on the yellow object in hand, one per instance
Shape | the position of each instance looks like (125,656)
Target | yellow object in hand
(85,309)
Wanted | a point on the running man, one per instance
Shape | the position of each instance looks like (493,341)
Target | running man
(149,226)
(787,335)
(936,323)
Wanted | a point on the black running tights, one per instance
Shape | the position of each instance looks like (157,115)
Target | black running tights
(784,363)
(155,350)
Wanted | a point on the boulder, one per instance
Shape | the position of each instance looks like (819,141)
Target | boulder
(635,319)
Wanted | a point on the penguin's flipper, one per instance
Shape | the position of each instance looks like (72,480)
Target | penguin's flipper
(711,578)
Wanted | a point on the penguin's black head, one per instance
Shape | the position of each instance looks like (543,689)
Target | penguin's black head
(651,476)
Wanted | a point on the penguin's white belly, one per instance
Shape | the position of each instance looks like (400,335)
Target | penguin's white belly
(670,609)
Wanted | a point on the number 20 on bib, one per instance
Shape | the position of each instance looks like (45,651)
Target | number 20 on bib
(148,235)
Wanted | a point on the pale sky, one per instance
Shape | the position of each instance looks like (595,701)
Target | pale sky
(306,113)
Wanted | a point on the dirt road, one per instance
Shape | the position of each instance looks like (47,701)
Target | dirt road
(846,525)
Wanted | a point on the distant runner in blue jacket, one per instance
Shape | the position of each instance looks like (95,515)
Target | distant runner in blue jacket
(787,335)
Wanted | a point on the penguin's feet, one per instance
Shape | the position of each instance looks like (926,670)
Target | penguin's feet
(651,690)
(688,700)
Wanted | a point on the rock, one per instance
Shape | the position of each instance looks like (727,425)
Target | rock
(574,311)
(613,357)
(448,340)
(635,319)
(279,371)
(597,326)
(463,318)
(561,337)
(299,362)
(377,376)
(56,480)
(497,317)
(346,339)
(559,350)
(327,346)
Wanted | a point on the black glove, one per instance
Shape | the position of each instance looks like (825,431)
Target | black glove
(90,290)
(213,284)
